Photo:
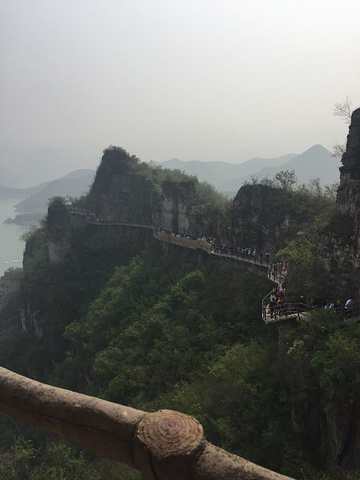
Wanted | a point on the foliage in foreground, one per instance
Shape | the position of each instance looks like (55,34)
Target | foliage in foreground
(60,461)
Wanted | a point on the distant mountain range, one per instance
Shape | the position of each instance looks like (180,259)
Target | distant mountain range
(34,200)
(316,162)
(217,173)
(73,184)
(23,167)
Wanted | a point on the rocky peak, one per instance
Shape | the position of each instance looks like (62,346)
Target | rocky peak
(348,198)
(121,194)
(266,218)
(340,241)
(58,231)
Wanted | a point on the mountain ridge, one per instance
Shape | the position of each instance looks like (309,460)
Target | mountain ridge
(315,162)
(218,171)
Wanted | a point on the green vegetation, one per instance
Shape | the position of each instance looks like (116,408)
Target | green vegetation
(206,194)
(121,320)
(59,462)
(164,332)
(315,205)
(302,254)
(156,173)
(286,179)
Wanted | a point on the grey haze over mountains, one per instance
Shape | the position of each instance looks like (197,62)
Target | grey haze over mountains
(74,184)
(35,174)
(26,166)
(34,200)
(316,162)
(218,173)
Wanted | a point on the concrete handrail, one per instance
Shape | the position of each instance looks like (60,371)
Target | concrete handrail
(164,445)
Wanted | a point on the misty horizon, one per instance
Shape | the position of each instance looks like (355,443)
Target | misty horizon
(22,167)
(193,80)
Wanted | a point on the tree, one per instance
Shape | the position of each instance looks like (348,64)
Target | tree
(287,179)
(343,110)
(338,150)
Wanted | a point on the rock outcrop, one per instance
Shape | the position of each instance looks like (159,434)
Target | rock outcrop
(175,212)
(122,193)
(340,240)
(266,218)
(119,193)
(256,220)
(348,198)
(58,230)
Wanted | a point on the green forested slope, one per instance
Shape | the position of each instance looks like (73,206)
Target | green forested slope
(124,320)
(166,331)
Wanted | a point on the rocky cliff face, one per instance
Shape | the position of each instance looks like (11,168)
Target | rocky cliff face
(265,218)
(348,198)
(122,194)
(58,231)
(340,240)
(326,417)
(175,211)
(119,193)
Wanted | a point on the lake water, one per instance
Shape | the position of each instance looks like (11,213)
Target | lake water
(11,247)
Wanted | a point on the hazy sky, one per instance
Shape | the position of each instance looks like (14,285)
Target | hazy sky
(193,79)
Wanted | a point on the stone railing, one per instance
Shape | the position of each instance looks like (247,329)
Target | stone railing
(164,445)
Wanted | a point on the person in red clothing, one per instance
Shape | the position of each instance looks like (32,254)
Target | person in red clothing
(280,295)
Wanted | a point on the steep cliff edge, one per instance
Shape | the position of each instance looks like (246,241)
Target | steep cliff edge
(267,218)
(128,191)
(340,240)
(119,193)
(260,218)
(348,198)
(174,214)
(58,231)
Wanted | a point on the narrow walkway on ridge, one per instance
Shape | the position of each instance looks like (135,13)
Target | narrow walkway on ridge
(276,310)
(273,310)
(186,241)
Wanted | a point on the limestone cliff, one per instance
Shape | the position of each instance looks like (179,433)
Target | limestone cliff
(266,218)
(58,231)
(119,193)
(348,198)
(175,211)
(325,416)
(122,192)
(340,240)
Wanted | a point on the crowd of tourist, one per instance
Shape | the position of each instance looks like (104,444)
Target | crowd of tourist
(88,214)
(278,306)
(182,235)
(250,253)
(218,248)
